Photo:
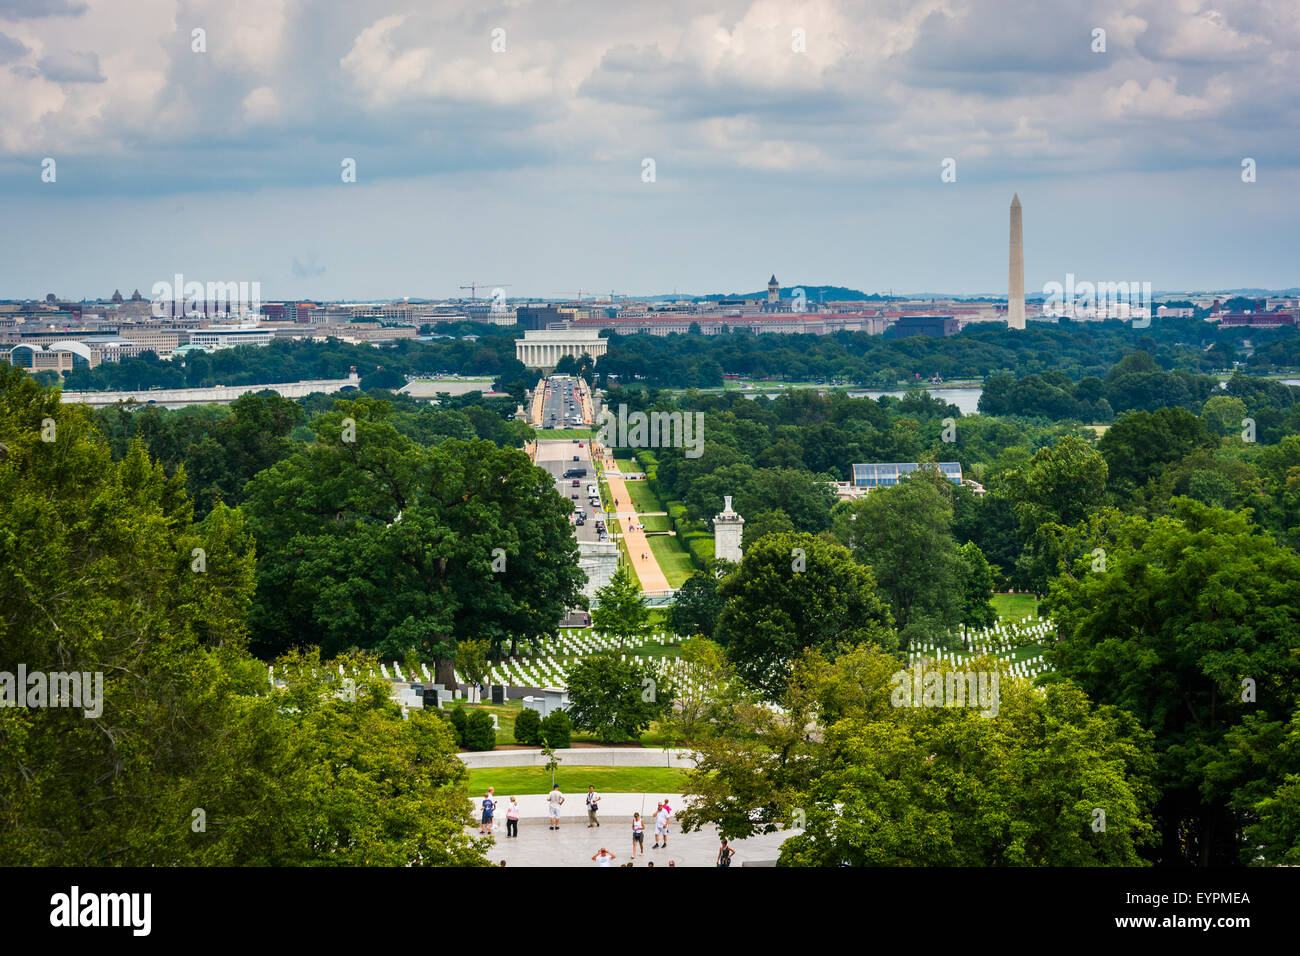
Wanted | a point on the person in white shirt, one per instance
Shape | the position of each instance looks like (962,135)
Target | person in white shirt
(554,802)
(604,858)
(638,834)
(593,798)
(661,825)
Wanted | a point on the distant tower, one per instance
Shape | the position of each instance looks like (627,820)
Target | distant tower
(727,528)
(1016,294)
(773,291)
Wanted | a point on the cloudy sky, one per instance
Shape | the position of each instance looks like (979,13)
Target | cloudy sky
(511,143)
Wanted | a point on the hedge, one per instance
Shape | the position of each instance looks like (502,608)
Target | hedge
(649,464)
(691,535)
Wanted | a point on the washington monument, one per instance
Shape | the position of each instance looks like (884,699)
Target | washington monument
(1016,294)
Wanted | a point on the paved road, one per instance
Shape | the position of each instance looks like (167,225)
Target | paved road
(556,456)
(564,402)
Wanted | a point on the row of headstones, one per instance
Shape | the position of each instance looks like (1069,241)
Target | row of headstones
(1030,666)
(547,673)
(416,695)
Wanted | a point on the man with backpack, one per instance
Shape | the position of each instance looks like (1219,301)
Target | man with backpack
(593,798)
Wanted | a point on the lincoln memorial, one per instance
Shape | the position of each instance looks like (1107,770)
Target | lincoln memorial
(544,348)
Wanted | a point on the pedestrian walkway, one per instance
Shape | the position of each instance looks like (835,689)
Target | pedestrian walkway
(647,568)
(574,845)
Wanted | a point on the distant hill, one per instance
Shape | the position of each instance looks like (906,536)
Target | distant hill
(814,293)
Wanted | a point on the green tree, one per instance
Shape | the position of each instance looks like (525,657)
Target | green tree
(870,782)
(614,699)
(1138,445)
(1223,415)
(1187,610)
(368,539)
(792,592)
(195,759)
(697,703)
(620,610)
(696,606)
(904,533)
(977,589)
(766,522)
(1061,485)
(471,660)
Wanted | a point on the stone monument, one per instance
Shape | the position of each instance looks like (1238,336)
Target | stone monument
(1016,292)
(727,528)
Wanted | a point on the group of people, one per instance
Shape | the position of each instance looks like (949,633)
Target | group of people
(556,799)
(489,811)
(662,813)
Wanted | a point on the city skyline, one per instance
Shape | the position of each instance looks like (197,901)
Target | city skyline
(521,155)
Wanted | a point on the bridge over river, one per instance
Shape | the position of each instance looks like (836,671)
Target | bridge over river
(217,395)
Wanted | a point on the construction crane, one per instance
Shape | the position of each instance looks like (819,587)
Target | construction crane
(475,286)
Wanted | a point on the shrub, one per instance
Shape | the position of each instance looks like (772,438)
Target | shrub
(528,728)
(557,730)
(459,724)
(479,732)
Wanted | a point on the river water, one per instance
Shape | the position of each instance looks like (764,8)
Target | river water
(966,399)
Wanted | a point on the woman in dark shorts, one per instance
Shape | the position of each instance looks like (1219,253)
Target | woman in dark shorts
(638,834)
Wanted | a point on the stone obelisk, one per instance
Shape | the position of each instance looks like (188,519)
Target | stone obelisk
(1016,294)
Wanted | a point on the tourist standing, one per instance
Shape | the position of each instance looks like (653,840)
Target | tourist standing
(512,819)
(638,834)
(604,858)
(489,806)
(661,825)
(593,798)
(725,853)
(554,802)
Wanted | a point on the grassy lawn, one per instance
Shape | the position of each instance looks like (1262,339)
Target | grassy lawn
(627,466)
(1015,607)
(643,499)
(673,560)
(575,780)
(657,523)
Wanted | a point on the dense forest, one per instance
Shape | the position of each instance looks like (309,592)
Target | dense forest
(1078,351)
